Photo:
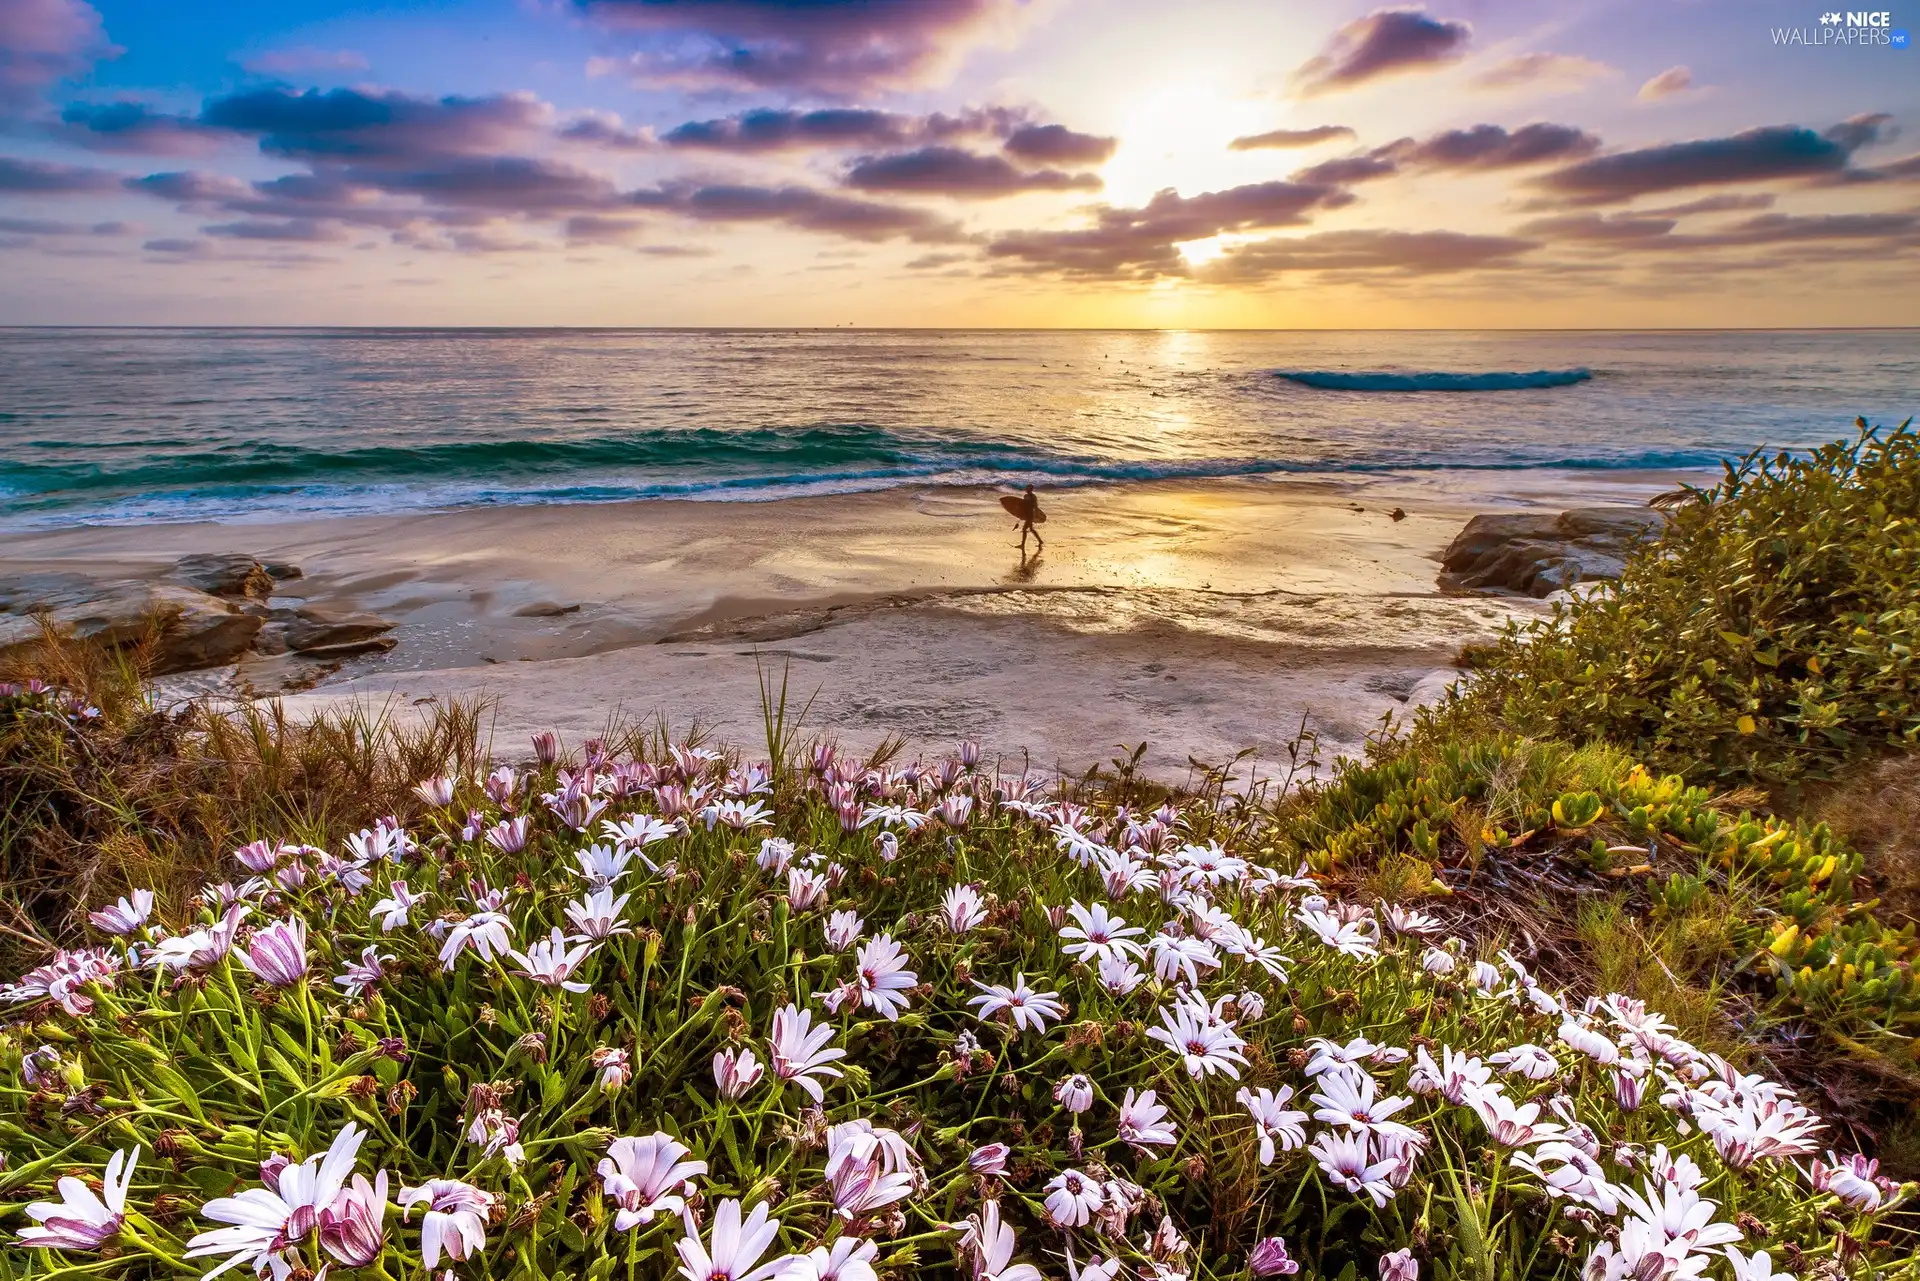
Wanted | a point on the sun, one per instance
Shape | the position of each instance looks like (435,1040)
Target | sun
(1178,137)
(1199,252)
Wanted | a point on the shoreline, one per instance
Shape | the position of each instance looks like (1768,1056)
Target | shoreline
(1207,617)
(1521,486)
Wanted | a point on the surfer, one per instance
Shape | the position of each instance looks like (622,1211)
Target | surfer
(1026,508)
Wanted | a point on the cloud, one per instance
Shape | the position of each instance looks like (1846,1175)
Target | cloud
(1481,147)
(190,187)
(1905,169)
(1767,154)
(184,250)
(776,130)
(491,240)
(1057,144)
(1363,251)
(36,227)
(950,171)
(452,191)
(1139,244)
(493,182)
(804,208)
(1778,228)
(134,129)
(605,129)
(42,177)
(1289,138)
(404,174)
(1347,170)
(829,46)
(305,60)
(1493,147)
(1670,83)
(49,227)
(1601,228)
(772,129)
(594,229)
(1385,42)
(298,231)
(334,195)
(179,245)
(1862,130)
(440,173)
(371,127)
(1648,231)
(1544,72)
(1726,202)
(43,41)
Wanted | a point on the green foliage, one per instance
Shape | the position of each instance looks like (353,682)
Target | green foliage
(1766,637)
(1591,814)
(1576,811)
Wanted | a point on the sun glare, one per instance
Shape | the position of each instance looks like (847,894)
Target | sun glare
(1200,252)
(1177,137)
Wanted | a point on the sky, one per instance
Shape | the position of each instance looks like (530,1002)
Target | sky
(1091,163)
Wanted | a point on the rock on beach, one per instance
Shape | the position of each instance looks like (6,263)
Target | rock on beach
(1538,554)
(206,610)
(184,628)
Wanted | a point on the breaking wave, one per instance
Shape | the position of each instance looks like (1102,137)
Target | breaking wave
(1384,380)
(263,479)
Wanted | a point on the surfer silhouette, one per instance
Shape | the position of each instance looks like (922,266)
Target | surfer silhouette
(1026,509)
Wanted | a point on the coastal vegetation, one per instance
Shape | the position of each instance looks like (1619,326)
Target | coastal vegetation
(1765,637)
(1593,970)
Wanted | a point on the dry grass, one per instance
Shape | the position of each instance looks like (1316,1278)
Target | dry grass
(147,795)
(1676,965)
(1879,811)
(1398,878)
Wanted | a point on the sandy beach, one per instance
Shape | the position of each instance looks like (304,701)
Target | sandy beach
(1205,618)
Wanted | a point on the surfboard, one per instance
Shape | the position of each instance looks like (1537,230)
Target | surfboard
(1016,505)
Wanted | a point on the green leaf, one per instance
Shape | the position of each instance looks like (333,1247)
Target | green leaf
(280,1063)
(177,1086)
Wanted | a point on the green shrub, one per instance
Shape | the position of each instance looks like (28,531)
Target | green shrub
(1766,637)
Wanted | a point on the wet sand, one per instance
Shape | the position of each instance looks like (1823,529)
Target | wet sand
(1203,618)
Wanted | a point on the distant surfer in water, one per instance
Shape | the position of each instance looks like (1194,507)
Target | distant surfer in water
(1026,509)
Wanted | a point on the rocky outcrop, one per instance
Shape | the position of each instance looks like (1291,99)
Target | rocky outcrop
(225,575)
(328,633)
(181,628)
(1537,554)
(208,610)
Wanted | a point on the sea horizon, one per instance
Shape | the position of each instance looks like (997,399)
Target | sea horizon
(988,329)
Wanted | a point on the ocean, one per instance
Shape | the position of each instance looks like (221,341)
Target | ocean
(128,426)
